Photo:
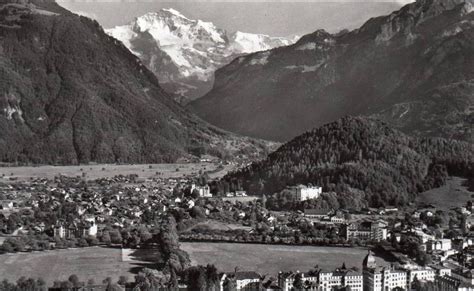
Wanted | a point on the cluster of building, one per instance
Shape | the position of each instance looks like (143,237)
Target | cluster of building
(93,205)
(372,278)
(86,227)
(366,230)
(321,280)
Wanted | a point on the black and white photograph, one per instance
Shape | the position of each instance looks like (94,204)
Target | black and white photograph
(236,145)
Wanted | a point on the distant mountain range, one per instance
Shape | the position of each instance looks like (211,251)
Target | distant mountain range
(70,93)
(413,68)
(363,160)
(184,53)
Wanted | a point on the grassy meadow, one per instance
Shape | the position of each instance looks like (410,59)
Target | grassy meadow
(453,194)
(270,259)
(95,263)
(144,171)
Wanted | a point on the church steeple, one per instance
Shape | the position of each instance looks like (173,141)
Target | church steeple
(369,261)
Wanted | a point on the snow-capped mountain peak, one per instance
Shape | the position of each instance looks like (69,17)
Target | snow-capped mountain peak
(183,52)
(250,42)
(170,27)
(174,12)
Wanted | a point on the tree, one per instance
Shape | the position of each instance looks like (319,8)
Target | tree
(197,212)
(7,247)
(416,285)
(212,277)
(107,281)
(423,258)
(196,278)
(149,279)
(298,283)
(41,284)
(145,235)
(195,194)
(13,221)
(105,238)
(230,284)
(74,280)
(66,285)
(115,237)
(173,282)
(122,280)
(83,243)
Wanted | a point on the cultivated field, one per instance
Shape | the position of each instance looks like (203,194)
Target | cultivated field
(217,225)
(270,259)
(88,263)
(144,171)
(453,194)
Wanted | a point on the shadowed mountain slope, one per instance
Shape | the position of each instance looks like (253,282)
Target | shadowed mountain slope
(413,68)
(70,93)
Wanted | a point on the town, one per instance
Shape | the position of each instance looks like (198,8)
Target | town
(416,248)
(237,145)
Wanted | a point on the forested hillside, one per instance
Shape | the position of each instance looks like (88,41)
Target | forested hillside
(362,160)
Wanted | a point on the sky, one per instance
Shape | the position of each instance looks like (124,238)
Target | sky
(276,18)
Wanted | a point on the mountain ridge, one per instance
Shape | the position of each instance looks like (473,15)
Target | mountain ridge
(406,68)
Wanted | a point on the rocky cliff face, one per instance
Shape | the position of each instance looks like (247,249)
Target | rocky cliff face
(412,68)
(70,93)
(184,53)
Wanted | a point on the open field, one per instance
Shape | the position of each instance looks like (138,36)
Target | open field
(270,259)
(453,194)
(217,225)
(87,263)
(144,171)
(244,199)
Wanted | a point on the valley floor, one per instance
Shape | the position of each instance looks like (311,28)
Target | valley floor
(144,171)
(271,259)
(99,263)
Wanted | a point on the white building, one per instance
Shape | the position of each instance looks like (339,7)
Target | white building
(328,281)
(423,274)
(367,230)
(6,204)
(322,281)
(204,191)
(89,227)
(439,245)
(302,192)
(381,279)
(286,280)
(243,280)
(424,236)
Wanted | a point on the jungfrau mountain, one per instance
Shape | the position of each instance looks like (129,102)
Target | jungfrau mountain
(413,68)
(184,53)
(70,93)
